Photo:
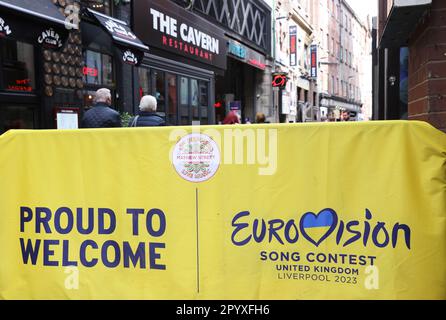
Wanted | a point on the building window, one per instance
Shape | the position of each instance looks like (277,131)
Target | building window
(102,6)
(145,82)
(328,43)
(18,70)
(98,69)
(181,99)
(160,89)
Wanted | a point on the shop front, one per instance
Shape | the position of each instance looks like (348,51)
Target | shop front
(110,50)
(237,90)
(27,30)
(186,54)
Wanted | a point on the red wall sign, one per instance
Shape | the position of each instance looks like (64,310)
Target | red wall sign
(21,85)
(279,80)
(91,72)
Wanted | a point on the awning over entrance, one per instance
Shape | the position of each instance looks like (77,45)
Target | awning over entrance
(34,21)
(120,34)
(40,9)
(402,20)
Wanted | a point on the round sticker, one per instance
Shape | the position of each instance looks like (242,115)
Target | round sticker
(196,157)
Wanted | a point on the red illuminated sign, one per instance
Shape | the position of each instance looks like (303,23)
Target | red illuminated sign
(21,85)
(257,63)
(279,80)
(91,72)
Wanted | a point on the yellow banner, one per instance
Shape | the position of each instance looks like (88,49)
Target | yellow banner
(314,211)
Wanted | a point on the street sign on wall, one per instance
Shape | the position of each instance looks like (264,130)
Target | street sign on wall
(314,62)
(293,46)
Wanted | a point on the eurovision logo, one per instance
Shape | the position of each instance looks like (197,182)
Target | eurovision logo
(50,39)
(5,30)
(318,228)
(196,157)
(130,58)
(118,29)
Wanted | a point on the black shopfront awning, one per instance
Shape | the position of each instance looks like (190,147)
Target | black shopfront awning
(34,21)
(119,35)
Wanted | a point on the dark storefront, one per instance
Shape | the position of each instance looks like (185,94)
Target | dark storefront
(186,53)
(28,29)
(155,47)
(246,84)
(51,68)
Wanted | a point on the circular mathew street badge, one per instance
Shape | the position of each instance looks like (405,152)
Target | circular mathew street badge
(196,157)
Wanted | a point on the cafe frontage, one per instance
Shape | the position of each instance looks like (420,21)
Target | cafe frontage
(198,66)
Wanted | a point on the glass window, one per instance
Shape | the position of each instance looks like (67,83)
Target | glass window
(184,101)
(16,117)
(103,6)
(98,68)
(194,93)
(204,102)
(145,87)
(18,66)
(173,99)
(160,90)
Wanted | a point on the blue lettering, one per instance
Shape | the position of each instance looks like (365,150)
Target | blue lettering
(380,226)
(368,216)
(83,255)
(90,221)
(149,223)
(259,238)
(26,215)
(139,255)
(357,234)
(102,212)
(47,253)
(239,227)
(406,230)
(66,256)
(29,251)
(155,256)
(43,217)
(135,219)
(57,218)
(291,224)
(117,254)
(273,229)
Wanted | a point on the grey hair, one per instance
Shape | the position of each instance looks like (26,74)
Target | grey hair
(102,95)
(148,103)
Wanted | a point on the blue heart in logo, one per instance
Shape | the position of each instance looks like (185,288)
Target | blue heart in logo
(326,219)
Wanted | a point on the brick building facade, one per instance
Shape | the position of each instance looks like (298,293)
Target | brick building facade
(418,26)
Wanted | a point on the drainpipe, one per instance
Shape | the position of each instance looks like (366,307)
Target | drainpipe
(276,111)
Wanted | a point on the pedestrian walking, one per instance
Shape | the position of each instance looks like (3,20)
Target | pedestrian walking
(345,116)
(260,117)
(147,116)
(232,118)
(101,115)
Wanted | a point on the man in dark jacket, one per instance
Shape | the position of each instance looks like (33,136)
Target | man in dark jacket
(101,115)
(147,116)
